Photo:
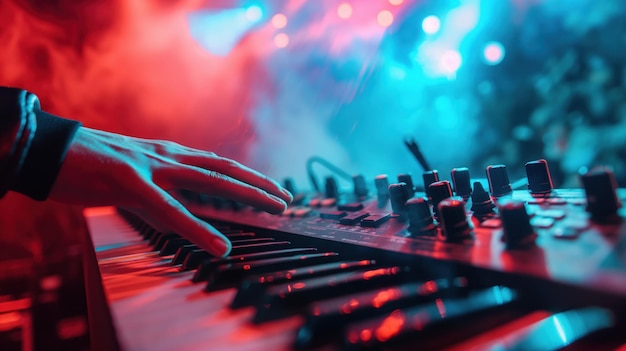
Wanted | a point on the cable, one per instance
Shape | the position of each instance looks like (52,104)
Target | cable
(415,150)
(311,173)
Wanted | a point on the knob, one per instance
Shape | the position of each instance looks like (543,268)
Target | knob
(439,191)
(398,195)
(381,183)
(538,174)
(406,178)
(482,206)
(360,189)
(602,200)
(499,184)
(453,219)
(331,190)
(420,218)
(517,231)
(290,185)
(461,182)
(429,177)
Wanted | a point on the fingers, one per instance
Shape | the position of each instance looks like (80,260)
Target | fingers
(237,171)
(217,184)
(165,213)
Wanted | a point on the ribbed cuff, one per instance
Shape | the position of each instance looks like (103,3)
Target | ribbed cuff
(45,157)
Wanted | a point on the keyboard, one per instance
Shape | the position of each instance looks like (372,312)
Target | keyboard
(525,271)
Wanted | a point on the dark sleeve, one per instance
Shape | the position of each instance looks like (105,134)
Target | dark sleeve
(45,154)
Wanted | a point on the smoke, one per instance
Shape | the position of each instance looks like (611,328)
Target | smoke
(131,67)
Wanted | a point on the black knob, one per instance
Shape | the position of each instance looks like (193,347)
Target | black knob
(602,200)
(453,219)
(482,206)
(420,218)
(406,178)
(382,185)
(499,184)
(360,188)
(429,177)
(517,231)
(331,190)
(439,191)
(461,182)
(538,174)
(398,195)
(290,185)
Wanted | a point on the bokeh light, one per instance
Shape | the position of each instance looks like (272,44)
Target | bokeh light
(254,13)
(344,11)
(431,25)
(493,53)
(385,18)
(396,2)
(279,21)
(281,40)
(451,62)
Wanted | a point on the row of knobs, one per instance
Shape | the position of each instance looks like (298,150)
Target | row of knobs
(450,211)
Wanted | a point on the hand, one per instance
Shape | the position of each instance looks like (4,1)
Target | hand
(142,176)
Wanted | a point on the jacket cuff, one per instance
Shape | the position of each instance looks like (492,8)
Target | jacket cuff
(17,128)
(52,139)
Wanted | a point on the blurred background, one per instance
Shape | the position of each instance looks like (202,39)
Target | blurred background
(273,83)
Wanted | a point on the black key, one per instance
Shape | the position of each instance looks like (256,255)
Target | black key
(160,242)
(229,275)
(171,246)
(375,220)
(326,319)
(353,218)
(146,231)
(286,299)
(154,237)
(196,257)
(430,325)
(182,252)
(210,265)
(240,235)
(251,288)
(249,240)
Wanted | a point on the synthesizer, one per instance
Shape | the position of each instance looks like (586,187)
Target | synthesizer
(448,264)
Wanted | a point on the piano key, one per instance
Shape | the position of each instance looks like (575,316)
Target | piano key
(195,257)
(210,265)
(436,324)
(171,246)
(229,275)
(154,237)
(160,242)
(285,299)
(146,231)
(251,288)
(182,252)
(240,235)
(325,319)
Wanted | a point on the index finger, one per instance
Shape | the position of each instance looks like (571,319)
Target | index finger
(238,171)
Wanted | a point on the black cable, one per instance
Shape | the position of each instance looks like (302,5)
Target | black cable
(415,150)
(311,173)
